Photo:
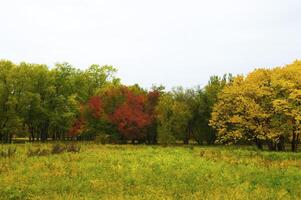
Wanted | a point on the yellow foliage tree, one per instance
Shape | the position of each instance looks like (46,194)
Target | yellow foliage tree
(263,107)
(287,105)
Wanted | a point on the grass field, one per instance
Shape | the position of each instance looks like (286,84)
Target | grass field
(151,172)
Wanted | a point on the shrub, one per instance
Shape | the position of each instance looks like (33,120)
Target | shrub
(8,152)
(72,148)
(38,152)
(58,148)
(55,149)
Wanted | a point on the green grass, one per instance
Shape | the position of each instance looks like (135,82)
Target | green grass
(151,172)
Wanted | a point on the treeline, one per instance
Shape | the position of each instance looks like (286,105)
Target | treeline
(65,103)
(118,114)
(41,103)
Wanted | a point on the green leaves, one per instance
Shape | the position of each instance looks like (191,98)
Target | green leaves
(173,115)
(45,102)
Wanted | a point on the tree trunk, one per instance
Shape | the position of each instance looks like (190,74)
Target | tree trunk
(186,141)
(32,134)
(44,131)
(7,138)
(187,136)
(10,138)
(271,146)
(258,144)
(281,144)
(294,143)
(297,141)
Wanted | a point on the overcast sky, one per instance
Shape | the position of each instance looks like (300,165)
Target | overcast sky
(169,42)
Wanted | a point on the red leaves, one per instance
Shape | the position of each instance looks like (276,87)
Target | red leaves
(76,128)
(131,117)
(129,111)
(95,106)
(93,109)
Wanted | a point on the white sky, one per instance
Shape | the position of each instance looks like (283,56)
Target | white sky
(169,42)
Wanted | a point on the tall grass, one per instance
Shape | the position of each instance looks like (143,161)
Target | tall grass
(151,172)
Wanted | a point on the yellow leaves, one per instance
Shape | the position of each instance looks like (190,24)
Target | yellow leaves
(298,118)
(236,134)
(281,105)
(236,119)
(295,95)
(259,104)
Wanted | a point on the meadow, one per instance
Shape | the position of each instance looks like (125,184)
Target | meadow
(150,172)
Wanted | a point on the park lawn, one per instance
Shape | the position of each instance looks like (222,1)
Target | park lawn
(151,172)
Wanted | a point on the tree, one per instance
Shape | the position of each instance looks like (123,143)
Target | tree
(120,113)
(173,117)
(151,104)
(262,108)
(287,104)
(243,112)
(98,77)
(131,117)
(9,120)
(33,104)
(202,105)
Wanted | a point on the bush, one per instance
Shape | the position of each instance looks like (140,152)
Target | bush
(55,149)
(38,152)
(8,152)
(58,148)
(73,148)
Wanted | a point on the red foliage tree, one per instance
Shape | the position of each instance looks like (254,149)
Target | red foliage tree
(92,109)
(78,125)
(95,106)
(131,117)
(76,129)
(131,111)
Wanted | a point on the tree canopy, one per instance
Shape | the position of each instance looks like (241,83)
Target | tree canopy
(64,102)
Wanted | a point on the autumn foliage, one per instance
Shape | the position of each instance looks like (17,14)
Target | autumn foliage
(131,117)
(95,106)
(76,127)
(263,108)
(129,111)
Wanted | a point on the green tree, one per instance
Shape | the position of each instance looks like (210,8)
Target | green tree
(173,115)
(9,120)
(202,105)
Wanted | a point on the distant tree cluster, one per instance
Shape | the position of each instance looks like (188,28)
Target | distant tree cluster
(262,108)
(42,103)
(119,113)
(63,102)
(129,113)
